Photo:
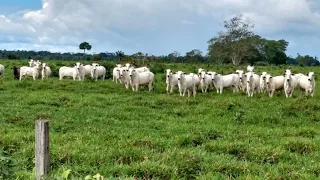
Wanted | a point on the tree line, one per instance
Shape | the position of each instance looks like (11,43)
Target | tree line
(236,45)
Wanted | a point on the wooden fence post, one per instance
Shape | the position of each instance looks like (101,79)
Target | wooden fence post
(42,148)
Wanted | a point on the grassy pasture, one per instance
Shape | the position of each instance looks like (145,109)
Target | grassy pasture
(100,127)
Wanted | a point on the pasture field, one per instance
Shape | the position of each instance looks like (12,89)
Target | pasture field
(100,127)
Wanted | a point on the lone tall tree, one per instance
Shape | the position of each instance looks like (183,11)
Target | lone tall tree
(85,46)
(237,41)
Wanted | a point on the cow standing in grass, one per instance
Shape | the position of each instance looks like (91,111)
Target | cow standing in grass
(307,83)
(30,71)
(274,84)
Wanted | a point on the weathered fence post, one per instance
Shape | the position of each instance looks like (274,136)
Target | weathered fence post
(42,148)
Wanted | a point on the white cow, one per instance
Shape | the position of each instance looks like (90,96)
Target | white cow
(205,81)
(45,71)
(200,70)
(242,80)
(226,81)
(273,84)
(196,79)
(307,83)
(2,70)
(250,68)
(127,66)
(116,73)
(73,72)
(187,82)
(86,71)
(263,84)
(140,79)
(290,83)
(29,71)
(171,80)
(98,71)
(142,69)
(253,83)
(31,63)
(125,77)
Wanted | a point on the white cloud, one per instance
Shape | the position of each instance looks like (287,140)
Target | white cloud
(125,24)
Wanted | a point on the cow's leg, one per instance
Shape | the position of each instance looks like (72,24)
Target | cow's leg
(306,91)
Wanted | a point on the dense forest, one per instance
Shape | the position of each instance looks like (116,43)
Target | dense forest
(236,45)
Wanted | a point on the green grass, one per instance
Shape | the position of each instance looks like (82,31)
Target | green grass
(100,127)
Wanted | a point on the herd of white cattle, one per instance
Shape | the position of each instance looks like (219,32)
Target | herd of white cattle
(248,82)
(77,72)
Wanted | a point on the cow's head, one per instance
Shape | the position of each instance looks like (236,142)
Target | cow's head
(77,65)
(268,78)
(200,70)
(131,71)
(94,66)
(202,75)
(249,77)
(311,76)
(213,75)
(180,74)
(240,73)
(288,75)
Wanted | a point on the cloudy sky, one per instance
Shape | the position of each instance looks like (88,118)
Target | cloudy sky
(157,27)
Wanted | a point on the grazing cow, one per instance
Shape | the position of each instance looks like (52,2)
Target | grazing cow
(187,82)
(140,79)
(290,83)
(45,71)
(171,80)
(116,73)
(250,68)
(225,81)
(73,72)
(307,83)
(242,80)
(205,81)
(16,72)
(273,84)
(252,83)
(98,71)
(263,84)
(30,71)
(2,70)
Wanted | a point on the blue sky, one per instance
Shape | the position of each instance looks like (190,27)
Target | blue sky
(157,27)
